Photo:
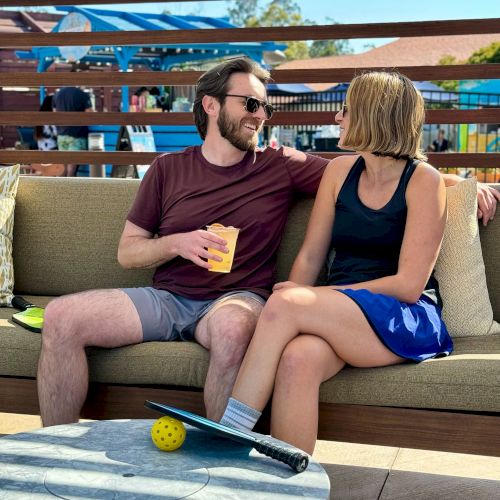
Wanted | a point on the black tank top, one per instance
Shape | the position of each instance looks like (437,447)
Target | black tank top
(366,241)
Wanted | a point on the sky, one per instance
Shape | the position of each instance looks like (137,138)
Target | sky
(344,12)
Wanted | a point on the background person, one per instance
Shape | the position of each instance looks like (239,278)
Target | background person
(72,138)
(383,211)
(46,135)
(440,144)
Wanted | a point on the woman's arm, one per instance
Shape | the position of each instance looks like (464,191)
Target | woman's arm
(312,254)
(425,221)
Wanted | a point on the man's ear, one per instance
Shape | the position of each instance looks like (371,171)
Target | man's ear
(211,105)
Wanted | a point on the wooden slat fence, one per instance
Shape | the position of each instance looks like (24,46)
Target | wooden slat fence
(289,33)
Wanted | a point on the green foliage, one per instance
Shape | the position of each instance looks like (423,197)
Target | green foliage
(243,12)
(285,13)
(297,50)
(447,84)
(489,54)
(324,48)
(281,13)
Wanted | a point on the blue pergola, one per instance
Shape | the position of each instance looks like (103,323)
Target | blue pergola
(156,57)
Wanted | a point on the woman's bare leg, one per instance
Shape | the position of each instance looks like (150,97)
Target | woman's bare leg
(325,313)
(306,361)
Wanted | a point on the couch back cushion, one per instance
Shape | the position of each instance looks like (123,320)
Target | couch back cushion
(66,235)
(490,244)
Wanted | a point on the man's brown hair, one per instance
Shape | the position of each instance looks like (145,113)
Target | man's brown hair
(215,82)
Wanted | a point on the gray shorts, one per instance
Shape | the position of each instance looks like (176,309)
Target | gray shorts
(167,316)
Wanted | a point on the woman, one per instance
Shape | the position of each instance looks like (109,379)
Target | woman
(383,212)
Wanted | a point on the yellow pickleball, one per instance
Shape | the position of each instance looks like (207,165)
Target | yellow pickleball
(168,434)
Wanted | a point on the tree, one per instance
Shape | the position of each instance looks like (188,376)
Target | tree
(485,55)
(285,13)
(489,54)
(451,85)
(243,12)
(324,48)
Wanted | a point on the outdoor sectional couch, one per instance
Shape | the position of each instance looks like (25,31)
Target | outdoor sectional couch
(66,232)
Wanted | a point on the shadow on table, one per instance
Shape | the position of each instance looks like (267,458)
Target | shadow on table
(93,459)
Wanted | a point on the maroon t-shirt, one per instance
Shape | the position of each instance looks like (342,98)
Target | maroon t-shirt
(182,192)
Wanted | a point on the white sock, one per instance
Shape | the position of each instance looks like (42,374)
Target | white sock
(240,416)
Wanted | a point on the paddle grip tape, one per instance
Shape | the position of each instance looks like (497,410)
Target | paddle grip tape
(297,460)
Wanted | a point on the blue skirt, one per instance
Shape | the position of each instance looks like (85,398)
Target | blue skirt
(412,331)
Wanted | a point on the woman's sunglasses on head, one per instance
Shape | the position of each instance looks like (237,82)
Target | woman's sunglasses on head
(252,105)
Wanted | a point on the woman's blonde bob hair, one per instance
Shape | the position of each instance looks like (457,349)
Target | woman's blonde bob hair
(386,115)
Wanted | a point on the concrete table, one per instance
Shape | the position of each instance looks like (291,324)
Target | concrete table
(117,459)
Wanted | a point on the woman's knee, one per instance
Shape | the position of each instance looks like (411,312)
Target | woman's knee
(308,360)
(279,304)
(298,362)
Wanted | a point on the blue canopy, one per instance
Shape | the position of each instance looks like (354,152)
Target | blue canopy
(157,57)
(287,88)
(432,92)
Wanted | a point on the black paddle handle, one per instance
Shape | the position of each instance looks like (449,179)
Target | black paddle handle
(297,460)
(19,303)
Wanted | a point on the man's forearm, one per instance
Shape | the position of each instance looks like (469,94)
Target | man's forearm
(137,252)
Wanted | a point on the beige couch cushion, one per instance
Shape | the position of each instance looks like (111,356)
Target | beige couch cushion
(467,380)
(460,267)
(54,249)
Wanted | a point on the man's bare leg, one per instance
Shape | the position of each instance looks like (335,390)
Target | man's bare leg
(225,331)
(100,318)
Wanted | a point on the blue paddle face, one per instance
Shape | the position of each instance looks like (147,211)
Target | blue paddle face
(295,458)
(202,423)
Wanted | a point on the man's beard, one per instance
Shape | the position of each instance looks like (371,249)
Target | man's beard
(232,131)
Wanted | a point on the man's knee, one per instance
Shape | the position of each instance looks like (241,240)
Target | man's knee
(231,332)
(60,320)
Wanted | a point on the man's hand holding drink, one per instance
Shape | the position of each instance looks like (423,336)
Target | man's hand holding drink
(223,261)
(194,246)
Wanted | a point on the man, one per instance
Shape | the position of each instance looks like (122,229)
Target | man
(441,144)
(72,138)
(226,180)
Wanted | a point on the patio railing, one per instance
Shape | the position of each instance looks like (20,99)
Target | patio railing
(490,115)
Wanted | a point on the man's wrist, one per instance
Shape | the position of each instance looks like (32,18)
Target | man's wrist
(170,245)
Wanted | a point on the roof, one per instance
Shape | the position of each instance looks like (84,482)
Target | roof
(409,51)
(158,57)
(25,22)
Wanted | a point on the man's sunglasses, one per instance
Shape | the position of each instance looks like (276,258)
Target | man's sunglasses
(252,104)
